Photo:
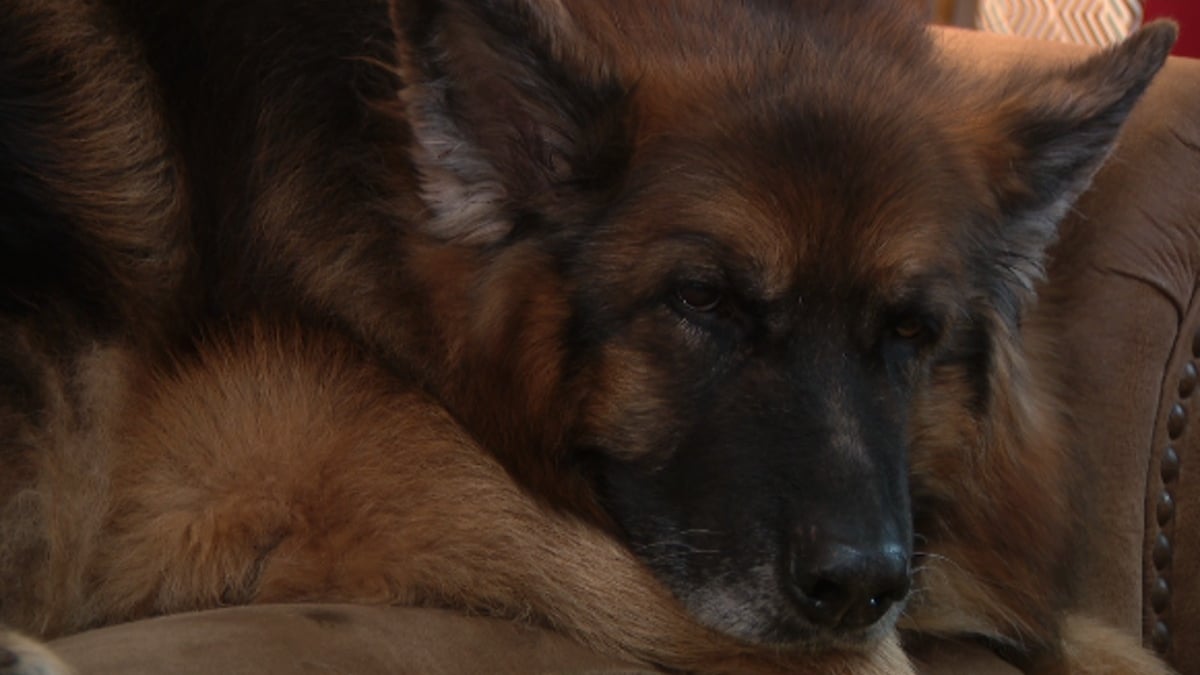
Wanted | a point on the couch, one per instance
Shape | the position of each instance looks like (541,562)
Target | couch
(1125,277)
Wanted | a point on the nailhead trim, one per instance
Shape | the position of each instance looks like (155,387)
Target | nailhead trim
(1162,552)
(1187,381)
(1176,421)
(1166,508)
(1169,465)
(1161,637)
(1160,596)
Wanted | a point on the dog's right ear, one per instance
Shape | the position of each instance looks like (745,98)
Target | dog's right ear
(515,118)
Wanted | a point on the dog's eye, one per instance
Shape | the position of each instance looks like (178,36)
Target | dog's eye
(699,297)
(907,337)
(911,329)
(914,331)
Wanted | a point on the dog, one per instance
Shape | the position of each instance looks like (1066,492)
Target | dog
(675,326)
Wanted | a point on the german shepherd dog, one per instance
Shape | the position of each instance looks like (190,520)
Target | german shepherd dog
(693,330)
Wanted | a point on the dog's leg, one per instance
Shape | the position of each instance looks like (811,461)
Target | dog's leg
(20,655)
(472,539)
(296,473)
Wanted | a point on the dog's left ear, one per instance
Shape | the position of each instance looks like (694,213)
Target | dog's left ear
(1050,133)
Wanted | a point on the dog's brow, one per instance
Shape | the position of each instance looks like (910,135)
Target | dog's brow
(768,275)
(935,291)
(696,237)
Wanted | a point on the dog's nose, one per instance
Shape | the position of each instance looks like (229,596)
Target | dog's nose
(841,587)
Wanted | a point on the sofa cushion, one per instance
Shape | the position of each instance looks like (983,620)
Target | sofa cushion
(276,639)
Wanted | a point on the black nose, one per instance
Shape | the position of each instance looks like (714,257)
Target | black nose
(842,587)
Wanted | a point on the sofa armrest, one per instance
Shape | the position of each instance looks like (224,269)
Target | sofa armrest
(1124,293)
(1121,303)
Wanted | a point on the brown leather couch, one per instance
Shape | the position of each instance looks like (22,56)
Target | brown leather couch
(1127,268)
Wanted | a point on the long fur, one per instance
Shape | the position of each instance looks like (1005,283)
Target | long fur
(363,302)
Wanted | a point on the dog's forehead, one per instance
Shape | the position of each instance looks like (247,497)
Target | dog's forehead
(798,153)
(828,208)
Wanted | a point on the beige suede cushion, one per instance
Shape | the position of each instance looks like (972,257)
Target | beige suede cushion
(328,639)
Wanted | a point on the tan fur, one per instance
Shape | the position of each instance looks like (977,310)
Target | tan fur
(1020,454)
(269,471)
(1093,648)
(54,525)
(366,391)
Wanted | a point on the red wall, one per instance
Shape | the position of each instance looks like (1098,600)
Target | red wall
(1187,13)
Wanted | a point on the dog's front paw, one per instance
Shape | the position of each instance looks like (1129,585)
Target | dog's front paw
(20,655)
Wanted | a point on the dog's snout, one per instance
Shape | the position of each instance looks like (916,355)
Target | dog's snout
(843,587)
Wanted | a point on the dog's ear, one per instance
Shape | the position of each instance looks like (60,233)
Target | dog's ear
(515,118)
(1049,134)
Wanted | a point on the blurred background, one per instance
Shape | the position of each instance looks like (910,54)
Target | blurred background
(1091,22)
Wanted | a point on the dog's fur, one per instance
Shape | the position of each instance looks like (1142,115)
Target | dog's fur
(606,314)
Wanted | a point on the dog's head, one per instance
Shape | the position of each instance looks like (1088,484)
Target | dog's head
(767,226)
